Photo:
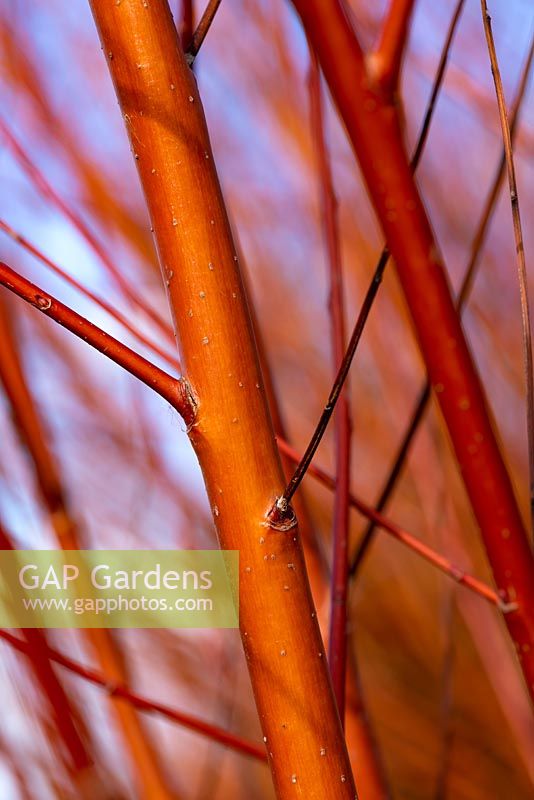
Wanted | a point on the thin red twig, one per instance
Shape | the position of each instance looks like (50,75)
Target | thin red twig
(142,703)
(428,553)
(107,307)
(171,389)
(337,640)
(185,22)
(50,193)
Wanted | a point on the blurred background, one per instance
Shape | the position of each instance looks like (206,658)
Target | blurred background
(442,689)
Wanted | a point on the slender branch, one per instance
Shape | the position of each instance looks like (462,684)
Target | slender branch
(107,307)
(62,711)
(463,296)
(385,63)
(185,24)
(171,389)
(201,30)
(337,640)
(281,509)
(140,702)
(50,193)
(428,553)
(520,250)
(436,86)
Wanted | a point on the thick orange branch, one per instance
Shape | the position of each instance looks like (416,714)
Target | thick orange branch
(232,434)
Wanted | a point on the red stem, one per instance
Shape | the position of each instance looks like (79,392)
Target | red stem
(142,703)
(373,126)
(107,307)
(463,296)
(49,192)
(337,640)
(171,389)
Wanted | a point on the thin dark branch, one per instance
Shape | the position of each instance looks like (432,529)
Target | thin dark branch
(463,296)
(281,509)
(520,250)
(202,30)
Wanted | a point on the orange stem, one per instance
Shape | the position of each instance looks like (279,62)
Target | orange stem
(232,434)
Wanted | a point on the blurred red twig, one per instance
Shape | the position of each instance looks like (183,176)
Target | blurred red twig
(142,703)
(337,640)
(60,707)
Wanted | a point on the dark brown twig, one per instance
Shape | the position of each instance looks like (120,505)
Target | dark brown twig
(202,30)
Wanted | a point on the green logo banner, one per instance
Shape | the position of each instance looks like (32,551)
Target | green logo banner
(119,588)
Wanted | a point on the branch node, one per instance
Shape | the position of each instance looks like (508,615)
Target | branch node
(187,403)
(281,516)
